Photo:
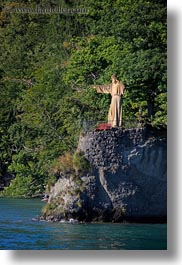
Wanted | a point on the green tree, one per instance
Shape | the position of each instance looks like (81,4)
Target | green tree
(132,48)
(48,64)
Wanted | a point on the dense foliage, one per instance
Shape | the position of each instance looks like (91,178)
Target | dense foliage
(50,61)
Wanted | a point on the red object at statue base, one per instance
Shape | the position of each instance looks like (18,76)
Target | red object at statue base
(103,127)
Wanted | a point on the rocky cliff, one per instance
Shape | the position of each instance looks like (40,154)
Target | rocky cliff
(127,179)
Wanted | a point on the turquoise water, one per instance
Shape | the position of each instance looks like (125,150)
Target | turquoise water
(18,231)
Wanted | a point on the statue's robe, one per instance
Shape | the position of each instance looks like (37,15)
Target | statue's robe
(115,111)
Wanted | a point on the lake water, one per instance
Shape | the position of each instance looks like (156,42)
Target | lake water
(18,231)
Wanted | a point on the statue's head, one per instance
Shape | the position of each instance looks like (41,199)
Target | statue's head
(113,77)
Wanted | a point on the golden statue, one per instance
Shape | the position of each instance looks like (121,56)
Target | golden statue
(116,89)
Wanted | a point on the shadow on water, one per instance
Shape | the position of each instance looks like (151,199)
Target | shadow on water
(173,250)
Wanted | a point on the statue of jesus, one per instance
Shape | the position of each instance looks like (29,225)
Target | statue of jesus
(116,89)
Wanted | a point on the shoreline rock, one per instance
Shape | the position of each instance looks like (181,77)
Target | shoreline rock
(127,182)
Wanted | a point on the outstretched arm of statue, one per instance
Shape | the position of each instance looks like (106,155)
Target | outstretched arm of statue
(106,89)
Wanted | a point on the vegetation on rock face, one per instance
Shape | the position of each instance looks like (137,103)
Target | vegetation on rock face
(48,64)
(71,164)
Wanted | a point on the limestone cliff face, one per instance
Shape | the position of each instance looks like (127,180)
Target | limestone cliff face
(128,179)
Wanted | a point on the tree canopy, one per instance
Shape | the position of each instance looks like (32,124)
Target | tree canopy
(48,64)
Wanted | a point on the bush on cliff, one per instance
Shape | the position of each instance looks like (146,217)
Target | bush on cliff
(71,164)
